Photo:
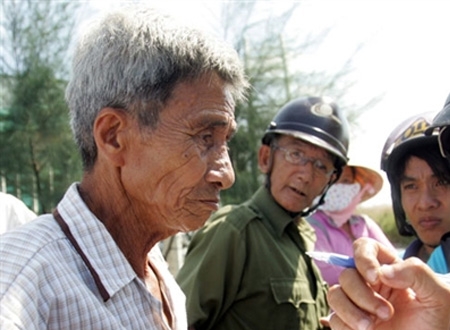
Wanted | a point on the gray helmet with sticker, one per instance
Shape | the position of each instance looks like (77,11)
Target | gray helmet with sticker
(411,133)
(317,120)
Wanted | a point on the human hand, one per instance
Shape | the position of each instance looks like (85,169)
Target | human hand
(385,293)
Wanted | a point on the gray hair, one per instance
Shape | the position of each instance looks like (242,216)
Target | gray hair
(132,59)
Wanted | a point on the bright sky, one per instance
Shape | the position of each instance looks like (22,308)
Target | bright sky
(406,58)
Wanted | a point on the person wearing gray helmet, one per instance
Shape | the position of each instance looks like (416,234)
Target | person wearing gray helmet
(337,223)
(384,292)
(420,184)
(247,267)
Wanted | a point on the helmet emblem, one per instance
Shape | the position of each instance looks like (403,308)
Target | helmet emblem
(417,128)
(322,109)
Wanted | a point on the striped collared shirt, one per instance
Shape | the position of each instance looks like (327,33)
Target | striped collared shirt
(45,284)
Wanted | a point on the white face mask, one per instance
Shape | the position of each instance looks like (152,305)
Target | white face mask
(339,196)
(341,201)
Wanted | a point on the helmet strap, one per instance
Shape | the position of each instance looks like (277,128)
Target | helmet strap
(306,212)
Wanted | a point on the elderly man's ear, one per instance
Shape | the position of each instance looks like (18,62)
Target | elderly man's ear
(111,128)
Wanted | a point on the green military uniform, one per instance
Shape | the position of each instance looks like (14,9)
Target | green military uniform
(247,269)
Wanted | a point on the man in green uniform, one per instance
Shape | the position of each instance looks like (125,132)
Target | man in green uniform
(247,268)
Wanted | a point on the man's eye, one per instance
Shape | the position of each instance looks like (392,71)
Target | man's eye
(206,138)
(320,166)
(443,182)
(296,154)
(409,186)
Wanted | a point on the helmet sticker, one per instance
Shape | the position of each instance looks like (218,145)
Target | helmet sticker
(418,127)
(322,109)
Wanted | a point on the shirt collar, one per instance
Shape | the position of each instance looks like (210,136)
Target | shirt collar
(106,258)
(277,217)
(273,214)
(354,219)
(413,249)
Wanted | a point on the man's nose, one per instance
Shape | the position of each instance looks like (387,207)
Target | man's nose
(221,170)
(428,198)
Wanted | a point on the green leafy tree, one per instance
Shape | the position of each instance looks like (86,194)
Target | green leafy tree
(271,55)
(39,158)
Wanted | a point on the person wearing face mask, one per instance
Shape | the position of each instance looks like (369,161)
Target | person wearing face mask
(335,222)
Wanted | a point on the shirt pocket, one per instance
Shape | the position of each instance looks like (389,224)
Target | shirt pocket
(291,290)
(296,308)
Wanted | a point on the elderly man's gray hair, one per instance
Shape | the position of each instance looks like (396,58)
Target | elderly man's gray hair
(132,59)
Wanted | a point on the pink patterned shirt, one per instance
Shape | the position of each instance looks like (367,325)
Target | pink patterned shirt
(331,238)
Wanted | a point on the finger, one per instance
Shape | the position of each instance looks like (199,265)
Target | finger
(414,274)
(336,323)
(369,255)
(364,296)
(346,315)
(325,321)
(423,287)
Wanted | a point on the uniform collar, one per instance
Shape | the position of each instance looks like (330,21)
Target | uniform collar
(277,218)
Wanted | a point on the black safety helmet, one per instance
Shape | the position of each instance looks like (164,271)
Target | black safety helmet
(411,134)
(442,121)
(316,120)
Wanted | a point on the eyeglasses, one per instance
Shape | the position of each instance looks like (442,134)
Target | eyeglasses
(444,135)
(297,157)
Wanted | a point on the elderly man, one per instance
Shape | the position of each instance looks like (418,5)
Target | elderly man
(152,110)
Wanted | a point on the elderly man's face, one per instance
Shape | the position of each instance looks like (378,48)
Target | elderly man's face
(294,186)
(177,172)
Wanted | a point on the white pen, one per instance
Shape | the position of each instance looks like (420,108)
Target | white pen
(333,258)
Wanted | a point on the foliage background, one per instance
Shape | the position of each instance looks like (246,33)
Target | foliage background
(38,157)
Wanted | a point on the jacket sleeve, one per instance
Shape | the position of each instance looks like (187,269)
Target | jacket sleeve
(211,273)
